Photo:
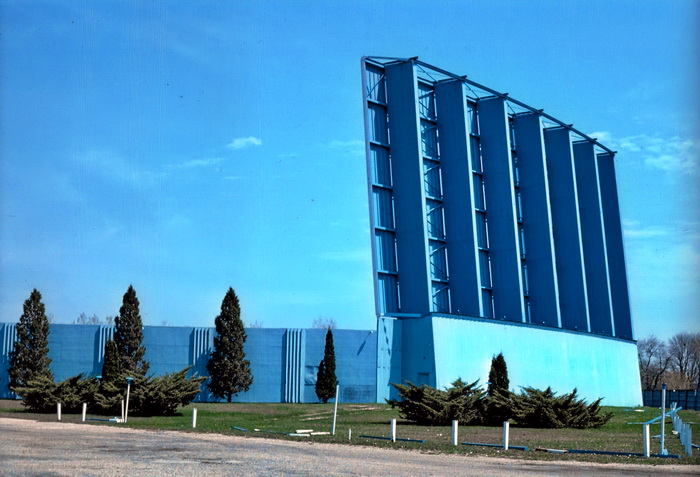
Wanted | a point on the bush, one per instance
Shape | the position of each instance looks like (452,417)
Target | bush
(150,396)
(41,394)
(544,409)
(429,406)
(468,404)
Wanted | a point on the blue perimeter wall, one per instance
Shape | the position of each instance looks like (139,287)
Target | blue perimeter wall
(283,362)
(436,350)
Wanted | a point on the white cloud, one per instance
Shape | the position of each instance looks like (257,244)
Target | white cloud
(632,231)
(673,154)
(243,142)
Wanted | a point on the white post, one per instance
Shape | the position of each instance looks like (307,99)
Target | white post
(647,442)
(122,410)
(58,410)
(663,417)
(84,410)
(455,432)
(335,410)
(393,430)
(506,432)
(126,412)
(349,434)
(194,417)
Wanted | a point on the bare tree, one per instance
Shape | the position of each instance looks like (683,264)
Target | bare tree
(324,323)
(83,319)
(255,324)
(654,362)
(684,353)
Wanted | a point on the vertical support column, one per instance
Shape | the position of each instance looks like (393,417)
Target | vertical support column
(537,220)
(409,196)
(561,175)
(458,197)
(619,291)
(504,244)
(593,238)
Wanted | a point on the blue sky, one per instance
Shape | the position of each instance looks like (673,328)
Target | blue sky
(187,147)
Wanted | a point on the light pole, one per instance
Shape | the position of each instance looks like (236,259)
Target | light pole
(128,388)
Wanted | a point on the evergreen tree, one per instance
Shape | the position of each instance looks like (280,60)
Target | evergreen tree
(111,369)
(128,335)
(325,379)
(498,405)
(498,376)
(30,358)
(228,369)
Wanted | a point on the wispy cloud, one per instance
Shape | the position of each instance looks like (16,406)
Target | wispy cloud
(115,167)
(632,230)
(244,142)
(354,147)
(673,154)
(194,163)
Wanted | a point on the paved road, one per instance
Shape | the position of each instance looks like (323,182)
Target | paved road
(29,448)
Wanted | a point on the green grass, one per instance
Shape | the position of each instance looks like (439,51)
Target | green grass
(273,420)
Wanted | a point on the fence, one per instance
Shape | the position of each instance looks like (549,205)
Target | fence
(687,399)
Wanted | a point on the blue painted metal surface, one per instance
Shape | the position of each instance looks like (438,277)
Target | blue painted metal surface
(409,194)
(593,240)
(458,193)
(537,220)
(503,239)
(615,248)
(280,371)
(537,356)
(571,273)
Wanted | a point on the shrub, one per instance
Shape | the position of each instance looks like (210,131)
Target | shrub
(429,406)
(150,396)
(544,409)
(41,394)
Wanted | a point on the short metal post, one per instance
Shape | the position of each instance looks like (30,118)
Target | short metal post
(84,410)
(335,409)
(194,417)
(393,430)
(349,434)
(455,432)
(663,418)
(58,410)
(646,436)
(122,410)
(506,434)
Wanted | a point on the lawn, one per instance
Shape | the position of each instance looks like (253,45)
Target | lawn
(276,420)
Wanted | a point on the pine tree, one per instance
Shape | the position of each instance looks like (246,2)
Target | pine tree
(111,369)
(128,335)
(325,379)
(30,357)
(498,376)
(498,402)
(228,369)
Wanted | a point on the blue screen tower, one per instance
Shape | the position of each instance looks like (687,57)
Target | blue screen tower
(495,228)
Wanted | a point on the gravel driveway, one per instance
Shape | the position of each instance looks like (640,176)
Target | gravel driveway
(54,448)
